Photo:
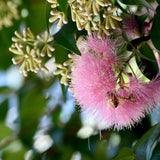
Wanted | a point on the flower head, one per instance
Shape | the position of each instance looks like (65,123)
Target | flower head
(8,12)
(30,50)
(100,88)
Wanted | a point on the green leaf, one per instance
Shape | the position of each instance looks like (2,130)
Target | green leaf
(147,61)
(56,115)
(63,5)
(125,154)
(5,90)
(32,107)
(138,2)
(47,15)
(36,22)
(155,34)
(145,136)
(113,1)
(14,151)
(145,145)
(5,131)
(3,109)
(65,37)
(61,55)
(156,152)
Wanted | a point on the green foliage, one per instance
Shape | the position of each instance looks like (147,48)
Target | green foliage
(65,37)
(63,5)
(5,131)
(32,106)
(3,109)
(139,3)
(147,61)
(6,90)
(14,151)
(146,144)
(155,34)
(156,152)
(36,100)
(144,137)
(125,154)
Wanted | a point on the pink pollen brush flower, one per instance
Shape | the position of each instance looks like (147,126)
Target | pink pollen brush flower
(96,88)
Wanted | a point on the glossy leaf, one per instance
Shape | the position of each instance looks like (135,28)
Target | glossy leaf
(125,154)
(156,152)
(138,2)
(145,136)
(155,34)
(65,37)
(147,61)
(145,145)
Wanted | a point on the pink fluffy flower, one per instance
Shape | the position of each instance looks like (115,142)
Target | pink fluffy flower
(101,93)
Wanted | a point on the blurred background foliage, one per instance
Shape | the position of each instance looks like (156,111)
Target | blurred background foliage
(38,122)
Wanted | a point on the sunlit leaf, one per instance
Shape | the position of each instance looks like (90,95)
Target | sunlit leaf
(125,154)
(14,151)
(5,131)
(138,2)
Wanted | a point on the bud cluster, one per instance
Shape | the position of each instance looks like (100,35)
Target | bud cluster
(8,12)
(56,14)
(64,70)
(30,50)
(92,15)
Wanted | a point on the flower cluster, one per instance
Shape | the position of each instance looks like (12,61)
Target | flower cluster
(64,70)
(90,15)
(99,79)
(30,50)
(56,14)
(8,12)
(103,87)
